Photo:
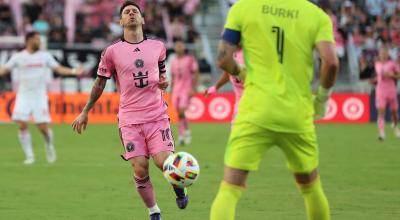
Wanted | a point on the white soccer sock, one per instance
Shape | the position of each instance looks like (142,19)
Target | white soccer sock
(188,137)
(49,137)
(188,133)
(26,142)
(50,150)
(154,209)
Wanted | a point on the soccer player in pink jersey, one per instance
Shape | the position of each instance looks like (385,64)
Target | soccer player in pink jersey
(31,67)
(237,83)
(138,65)
(184,72)
(387,74)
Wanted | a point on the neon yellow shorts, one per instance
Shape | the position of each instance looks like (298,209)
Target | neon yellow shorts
(248,143)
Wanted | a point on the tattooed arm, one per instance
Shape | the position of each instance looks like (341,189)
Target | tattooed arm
(81,121)
(225,58)
(97,90)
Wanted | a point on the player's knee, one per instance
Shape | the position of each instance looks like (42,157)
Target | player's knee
(43,130)
(23,126)
(181,114)
(141,170)
(235,176)
(306,178)
(159,163)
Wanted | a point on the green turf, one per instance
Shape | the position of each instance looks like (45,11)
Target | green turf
(90,181)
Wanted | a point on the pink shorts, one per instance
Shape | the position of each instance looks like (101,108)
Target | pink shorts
(383,101)
(146,139)
(180,101)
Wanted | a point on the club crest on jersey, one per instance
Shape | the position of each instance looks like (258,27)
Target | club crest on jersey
(139,63)
(141,79)
(130,147)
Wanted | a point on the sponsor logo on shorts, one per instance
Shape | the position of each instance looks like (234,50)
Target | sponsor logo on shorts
(130,147)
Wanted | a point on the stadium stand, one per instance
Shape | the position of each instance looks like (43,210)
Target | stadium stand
(85,27)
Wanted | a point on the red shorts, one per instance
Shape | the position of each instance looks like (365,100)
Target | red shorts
(146,139)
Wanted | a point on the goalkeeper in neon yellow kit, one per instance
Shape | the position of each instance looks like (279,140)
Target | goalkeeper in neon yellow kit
(277,108)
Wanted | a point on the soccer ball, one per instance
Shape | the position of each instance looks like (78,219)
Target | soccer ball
(181,169)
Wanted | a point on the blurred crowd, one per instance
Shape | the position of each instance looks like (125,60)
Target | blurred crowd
(96,20)
(95,23)
(365,25)
(165,19)
(45,16)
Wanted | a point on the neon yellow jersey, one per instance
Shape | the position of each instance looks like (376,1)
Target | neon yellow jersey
(278,38)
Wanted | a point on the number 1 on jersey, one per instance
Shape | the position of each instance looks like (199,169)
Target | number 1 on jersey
(280,38)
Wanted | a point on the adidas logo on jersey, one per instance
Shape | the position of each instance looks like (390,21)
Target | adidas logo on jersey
(136,50)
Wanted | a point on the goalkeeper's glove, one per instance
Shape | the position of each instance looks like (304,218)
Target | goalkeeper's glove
(320,102)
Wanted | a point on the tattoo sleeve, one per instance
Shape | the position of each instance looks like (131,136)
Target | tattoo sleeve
(96,92)
(221,54)
(236,69)
(225,59)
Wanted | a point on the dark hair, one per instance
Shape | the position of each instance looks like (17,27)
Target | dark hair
(30,35)
(178,39)
(127,3)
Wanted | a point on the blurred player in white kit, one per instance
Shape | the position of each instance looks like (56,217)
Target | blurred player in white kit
(31,67)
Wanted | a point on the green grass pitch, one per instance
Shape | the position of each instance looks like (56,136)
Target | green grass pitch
(89,181)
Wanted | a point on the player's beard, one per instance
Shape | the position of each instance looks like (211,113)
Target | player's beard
(132,25)
(35,47)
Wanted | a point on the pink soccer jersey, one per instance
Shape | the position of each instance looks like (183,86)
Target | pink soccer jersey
(386,85)
(136,70)
(386,91)
(183,68)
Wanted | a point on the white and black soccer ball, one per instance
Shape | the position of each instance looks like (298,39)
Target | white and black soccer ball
(181,169)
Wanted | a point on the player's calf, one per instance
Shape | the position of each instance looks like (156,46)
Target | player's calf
(317,205)
(144,187)
(49,146)
(146,192)
(184,137)
(25,139)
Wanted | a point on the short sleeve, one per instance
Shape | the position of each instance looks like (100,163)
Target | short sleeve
(233,20)
(106,66)
(395,67)
(12,62)
(163,54)
(376,68)
(51,62)
(325,30)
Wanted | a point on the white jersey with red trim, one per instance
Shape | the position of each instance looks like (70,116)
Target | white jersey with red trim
(32,72)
